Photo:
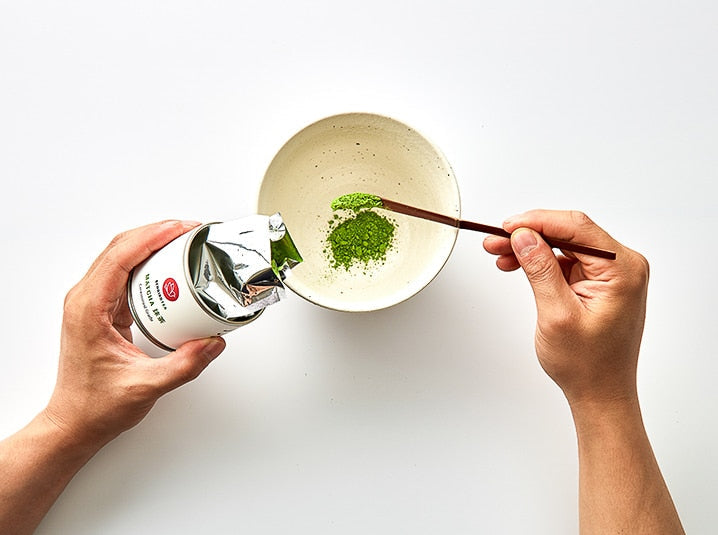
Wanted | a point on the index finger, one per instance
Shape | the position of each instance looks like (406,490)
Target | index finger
(109,273)
(571,226)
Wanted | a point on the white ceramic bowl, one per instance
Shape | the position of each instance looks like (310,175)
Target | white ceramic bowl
(367,153)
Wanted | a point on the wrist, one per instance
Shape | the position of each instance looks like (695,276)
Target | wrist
(76,444)
(599,419)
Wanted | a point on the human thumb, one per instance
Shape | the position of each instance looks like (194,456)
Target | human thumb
(188,361)
(540,265)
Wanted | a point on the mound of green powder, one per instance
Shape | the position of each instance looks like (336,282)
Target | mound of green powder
(362,238)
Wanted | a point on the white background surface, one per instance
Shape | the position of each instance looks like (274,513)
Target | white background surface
(430,417)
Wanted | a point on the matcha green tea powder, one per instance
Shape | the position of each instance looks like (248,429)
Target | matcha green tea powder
(362,238)
(356,202)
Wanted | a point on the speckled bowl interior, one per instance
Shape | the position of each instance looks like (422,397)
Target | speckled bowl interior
(362,152)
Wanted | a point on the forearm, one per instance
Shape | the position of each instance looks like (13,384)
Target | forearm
(621,489)
(36,464)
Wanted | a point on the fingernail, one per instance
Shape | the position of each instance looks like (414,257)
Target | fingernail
(512,223)
(214,347)
(524,241)
(173,223)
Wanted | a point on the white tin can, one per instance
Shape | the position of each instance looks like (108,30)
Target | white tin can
(164,303)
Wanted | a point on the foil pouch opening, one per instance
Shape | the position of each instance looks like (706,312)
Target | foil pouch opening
(237,267)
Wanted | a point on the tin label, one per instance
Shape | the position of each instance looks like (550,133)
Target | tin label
(152,299)
(170,289)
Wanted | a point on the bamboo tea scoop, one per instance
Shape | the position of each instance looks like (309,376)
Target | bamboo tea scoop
(487,229)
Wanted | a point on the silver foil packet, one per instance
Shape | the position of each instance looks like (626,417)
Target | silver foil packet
(238,267)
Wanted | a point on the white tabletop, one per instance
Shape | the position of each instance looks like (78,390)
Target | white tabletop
(429,417)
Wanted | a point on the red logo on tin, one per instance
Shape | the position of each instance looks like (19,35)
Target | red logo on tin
(170,289)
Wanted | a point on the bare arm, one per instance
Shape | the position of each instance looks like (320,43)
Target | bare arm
(590,316)
(37,463)
(105,384)
(621,489)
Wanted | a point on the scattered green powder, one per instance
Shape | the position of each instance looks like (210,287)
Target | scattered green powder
(362,238)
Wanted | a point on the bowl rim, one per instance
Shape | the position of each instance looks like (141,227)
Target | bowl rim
(372,306)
